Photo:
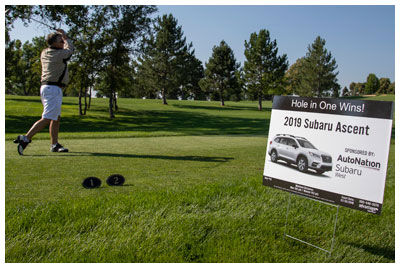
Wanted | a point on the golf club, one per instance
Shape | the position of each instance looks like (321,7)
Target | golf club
(51,27)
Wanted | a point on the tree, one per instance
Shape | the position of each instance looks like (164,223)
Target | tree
(384,84)
(335,91)
(73,16)
(345,92)
(191,73)
(23,69)
(168,64)
(32,66)
(319,77)
(391,89)
(220,73)
(106,37)
(263,69)
(353,91)
(89,43)
(125,27)
(372,85)
(47,14)
(360,88)
(12,70)
(293,78)
(238,92)
(12,13)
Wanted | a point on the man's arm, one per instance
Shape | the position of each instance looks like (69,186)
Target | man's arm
(68,46)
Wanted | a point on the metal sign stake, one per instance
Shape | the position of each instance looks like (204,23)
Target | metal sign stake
(305,242)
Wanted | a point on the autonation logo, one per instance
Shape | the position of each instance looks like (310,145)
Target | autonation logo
(360,162)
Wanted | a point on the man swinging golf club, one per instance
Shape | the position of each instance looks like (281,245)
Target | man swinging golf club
(54,77)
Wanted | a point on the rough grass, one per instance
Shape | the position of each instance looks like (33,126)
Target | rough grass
(193,191)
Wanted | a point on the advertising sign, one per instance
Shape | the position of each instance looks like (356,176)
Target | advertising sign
(332,150)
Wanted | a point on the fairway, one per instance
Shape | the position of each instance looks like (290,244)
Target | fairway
(193,190)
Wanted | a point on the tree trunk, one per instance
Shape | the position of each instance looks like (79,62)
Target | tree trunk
(222,97)
(82,82)
(260,101)
(111,104)
(164,97)
(110,107)
(80,101)
(85,103)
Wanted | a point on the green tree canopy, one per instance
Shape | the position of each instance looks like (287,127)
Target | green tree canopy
(22,67)
(384,84)
(125,27)
(293,78)
(372,84)
(221,72)
(319,75)
(168,64)
(263,69)
(391,89)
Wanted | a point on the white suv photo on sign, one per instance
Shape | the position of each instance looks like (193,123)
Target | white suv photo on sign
(299,151)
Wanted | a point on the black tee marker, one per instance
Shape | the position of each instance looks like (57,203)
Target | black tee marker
(91,182)
(115,180)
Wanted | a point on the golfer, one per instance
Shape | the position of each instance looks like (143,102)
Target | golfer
(54,77)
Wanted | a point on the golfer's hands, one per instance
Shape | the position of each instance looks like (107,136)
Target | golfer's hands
(62,32)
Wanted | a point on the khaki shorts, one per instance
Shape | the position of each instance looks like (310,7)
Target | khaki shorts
(51,99)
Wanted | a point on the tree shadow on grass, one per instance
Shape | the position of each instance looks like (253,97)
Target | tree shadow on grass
(176,122)
(23,99)
(220,108)
(160,157)
(383,252)
(36,99)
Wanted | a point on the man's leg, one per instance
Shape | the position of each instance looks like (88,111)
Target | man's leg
(37,127)
(24,140)
(54,129)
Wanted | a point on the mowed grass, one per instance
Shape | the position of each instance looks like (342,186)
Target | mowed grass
(193,191)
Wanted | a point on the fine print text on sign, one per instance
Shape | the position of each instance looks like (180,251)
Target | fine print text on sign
(333,150)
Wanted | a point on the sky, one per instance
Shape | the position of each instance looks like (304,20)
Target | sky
(360,37)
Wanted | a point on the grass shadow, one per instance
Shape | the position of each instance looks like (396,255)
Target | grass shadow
(176,122)
(228,107)
(160,157)
(379,251)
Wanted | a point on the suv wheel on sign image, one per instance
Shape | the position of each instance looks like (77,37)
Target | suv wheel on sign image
(302,164)
(274,156)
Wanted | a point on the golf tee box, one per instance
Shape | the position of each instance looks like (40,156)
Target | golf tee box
(331,150)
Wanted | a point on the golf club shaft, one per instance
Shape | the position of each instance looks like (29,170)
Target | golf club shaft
(51,27)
